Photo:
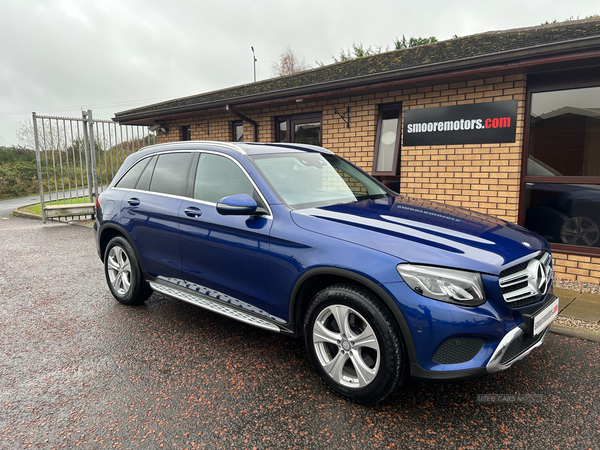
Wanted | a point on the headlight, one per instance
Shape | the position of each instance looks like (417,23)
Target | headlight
(446,285)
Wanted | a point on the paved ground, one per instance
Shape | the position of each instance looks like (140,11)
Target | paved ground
(8,206)
(78,369)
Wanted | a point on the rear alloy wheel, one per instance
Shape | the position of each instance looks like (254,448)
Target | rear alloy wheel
(123,273)
(354,345)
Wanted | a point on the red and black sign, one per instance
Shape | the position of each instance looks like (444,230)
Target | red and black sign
(479,123)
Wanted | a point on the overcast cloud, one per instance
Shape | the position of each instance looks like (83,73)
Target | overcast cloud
(61,56)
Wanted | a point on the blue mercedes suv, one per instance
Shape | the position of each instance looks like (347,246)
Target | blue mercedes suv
(296,240)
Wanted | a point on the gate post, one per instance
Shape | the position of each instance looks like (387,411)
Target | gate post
(90,123)
(86,150)
(38,161)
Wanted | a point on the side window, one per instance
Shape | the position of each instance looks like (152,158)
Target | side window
(143,183)
(218,177)
(169,173)
(130,179)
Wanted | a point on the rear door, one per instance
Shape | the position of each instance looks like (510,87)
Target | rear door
(150,213)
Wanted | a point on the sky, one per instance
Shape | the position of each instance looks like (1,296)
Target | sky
(59,57)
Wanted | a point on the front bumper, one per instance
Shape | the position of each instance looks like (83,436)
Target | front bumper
(452,342)
(514,346)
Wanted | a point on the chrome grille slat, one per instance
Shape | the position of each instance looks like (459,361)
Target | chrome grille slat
(526,282)
(512,280)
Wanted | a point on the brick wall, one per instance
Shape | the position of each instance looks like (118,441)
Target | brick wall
(480,177)
(574,267)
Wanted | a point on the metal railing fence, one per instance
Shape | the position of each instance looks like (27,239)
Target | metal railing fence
(80,157)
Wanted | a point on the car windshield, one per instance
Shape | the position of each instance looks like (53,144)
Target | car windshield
(306,180)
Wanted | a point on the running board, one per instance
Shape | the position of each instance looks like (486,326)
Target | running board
(206,302)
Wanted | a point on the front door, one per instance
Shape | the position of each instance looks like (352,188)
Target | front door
(224,257)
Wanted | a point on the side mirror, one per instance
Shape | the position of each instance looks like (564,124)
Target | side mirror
(237,205)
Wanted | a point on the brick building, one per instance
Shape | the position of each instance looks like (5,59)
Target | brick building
(509,125)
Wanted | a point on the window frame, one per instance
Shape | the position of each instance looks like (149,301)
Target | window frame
(186,133)
(298,119)
(397,146)
(191,181)
(234,125)
(560,82)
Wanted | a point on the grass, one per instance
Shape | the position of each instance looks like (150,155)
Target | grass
(37,207)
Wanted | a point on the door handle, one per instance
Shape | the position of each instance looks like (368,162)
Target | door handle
(134,201)
(192,211)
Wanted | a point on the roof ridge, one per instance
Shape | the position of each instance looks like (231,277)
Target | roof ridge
(443,55)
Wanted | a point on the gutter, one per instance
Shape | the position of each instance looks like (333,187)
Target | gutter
(589,44)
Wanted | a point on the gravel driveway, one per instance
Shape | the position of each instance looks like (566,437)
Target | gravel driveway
(79,369)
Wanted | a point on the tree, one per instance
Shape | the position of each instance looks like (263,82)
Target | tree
(413,42)
(289,63)
(358,51)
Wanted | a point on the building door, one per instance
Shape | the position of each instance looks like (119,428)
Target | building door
(304,129)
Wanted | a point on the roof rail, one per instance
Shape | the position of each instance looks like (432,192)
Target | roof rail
(228,145)
(304,147)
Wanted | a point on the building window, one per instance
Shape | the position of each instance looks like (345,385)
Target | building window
(305,129)
(561,195)
(186,133)
(237,129)
(387,141)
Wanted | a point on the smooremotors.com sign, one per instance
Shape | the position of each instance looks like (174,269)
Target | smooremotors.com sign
(479,123)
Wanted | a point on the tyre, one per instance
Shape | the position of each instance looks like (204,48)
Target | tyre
(123,273)
(354,344)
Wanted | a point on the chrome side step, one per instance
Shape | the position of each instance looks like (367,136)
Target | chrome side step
(206,302)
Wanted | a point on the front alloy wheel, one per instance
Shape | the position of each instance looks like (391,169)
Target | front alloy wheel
(354,344)
(346,346)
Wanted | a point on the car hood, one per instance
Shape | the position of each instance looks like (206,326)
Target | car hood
(423,232)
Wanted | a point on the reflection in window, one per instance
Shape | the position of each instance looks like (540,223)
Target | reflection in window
(387,146)
(130,179)
(169,172)
(304,180)
(308,133)
(564,213)
(564,134)
(564,141)
(218,177)
(283,131)
(238,131)
(302,129)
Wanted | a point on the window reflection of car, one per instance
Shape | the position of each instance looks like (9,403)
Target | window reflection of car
(569,214)
(538,168)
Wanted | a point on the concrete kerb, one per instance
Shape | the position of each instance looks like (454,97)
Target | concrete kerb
(24,215)
(580,333)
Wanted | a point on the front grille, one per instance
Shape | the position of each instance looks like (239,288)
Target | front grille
(513,269)
(520,346)
(527,282)
(458,350)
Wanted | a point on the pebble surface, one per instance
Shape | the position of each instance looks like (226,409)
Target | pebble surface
(574,285)
(79,370)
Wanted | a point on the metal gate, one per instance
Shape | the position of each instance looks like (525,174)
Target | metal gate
(78,158)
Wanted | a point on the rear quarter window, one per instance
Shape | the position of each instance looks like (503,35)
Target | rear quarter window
(130,179)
